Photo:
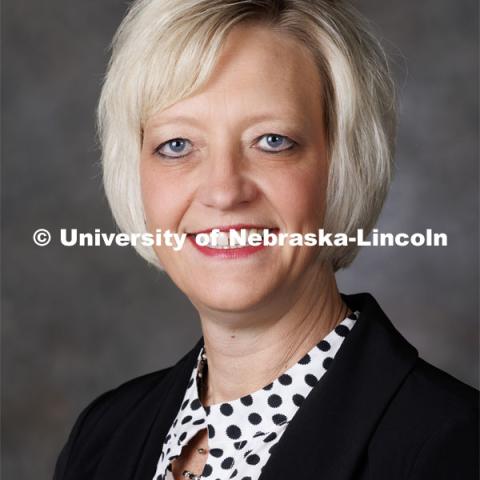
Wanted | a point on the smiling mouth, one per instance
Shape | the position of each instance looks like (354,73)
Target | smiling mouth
(233,237)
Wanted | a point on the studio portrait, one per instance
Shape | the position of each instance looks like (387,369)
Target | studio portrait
(240,240)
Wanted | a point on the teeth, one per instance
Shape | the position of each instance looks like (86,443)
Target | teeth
(222,239)
(226,240)
(235,242)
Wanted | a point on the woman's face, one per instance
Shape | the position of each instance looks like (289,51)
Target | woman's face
(249,149)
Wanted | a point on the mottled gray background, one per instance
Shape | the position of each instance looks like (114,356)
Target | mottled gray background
(79,321)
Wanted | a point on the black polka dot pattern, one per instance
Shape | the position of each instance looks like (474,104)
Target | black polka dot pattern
(207,470)
(274,400)
(216,452)
(327,362)
(254,418)
(324,346)
(240,445)
(270,437)
(253,459)
(242,433)
(226,409)
(285,379)
(279,418)
(305,359)
(195,405)
(233,432)
(227,463)
(342,330)
(298,399)
(310,379)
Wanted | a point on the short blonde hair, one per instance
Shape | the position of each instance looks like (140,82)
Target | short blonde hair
(164,50)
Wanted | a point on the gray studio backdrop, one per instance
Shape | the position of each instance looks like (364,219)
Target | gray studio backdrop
(78,321)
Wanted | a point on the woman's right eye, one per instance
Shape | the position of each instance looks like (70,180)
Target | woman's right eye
(174,148)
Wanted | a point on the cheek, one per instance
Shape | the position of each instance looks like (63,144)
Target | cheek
(160,198)
(299,196)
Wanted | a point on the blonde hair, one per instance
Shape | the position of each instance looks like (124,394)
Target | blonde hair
(164,50)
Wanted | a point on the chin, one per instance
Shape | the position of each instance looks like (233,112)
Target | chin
(232,296)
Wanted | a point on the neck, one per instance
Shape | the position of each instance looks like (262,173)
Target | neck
(252,350)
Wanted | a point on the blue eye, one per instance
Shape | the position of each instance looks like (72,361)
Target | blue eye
(273,142)
(174,148)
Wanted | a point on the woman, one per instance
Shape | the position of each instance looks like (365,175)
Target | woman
(262,116)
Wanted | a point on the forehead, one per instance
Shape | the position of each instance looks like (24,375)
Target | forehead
(258,71)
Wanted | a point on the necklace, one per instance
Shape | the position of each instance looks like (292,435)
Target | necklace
(203,451)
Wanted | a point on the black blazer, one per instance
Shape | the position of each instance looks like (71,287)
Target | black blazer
(378,413)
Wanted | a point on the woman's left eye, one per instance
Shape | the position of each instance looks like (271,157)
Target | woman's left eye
(273,142)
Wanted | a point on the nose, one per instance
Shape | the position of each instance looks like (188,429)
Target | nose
(225,184)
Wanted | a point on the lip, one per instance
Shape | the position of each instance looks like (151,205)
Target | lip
(229,253)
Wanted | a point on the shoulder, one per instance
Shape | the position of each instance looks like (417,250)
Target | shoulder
(118,401)
(442,390)
(108,409)
(433,398)
(433,422)
(120,417)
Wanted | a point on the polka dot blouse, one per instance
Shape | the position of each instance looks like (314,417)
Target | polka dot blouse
(242,432)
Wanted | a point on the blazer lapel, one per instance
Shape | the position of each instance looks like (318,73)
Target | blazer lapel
(329,434)
(179,377)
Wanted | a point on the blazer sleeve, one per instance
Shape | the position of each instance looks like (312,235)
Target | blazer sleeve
(452,451)
(85,421)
